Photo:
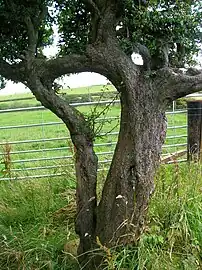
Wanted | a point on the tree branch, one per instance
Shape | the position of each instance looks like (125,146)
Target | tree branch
(32,37)
(73,63)
(42,15)
(144,52)
(92,6)
(103,19)
(161,58)
(73,119)
(173,84)
(14,72)
(32,25)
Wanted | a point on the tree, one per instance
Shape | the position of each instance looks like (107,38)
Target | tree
(99,36)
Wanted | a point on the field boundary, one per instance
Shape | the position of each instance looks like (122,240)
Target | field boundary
(23,168)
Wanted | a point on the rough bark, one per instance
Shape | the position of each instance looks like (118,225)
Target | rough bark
(120,215)
(86,161)
(173,83)
(129,184)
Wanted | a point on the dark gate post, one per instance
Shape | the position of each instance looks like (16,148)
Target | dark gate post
(194,130)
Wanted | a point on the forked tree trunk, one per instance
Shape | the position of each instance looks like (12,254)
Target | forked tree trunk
(120,215)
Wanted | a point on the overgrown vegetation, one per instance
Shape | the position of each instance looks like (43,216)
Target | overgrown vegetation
(37,225)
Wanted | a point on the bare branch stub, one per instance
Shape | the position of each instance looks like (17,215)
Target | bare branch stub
(173,85)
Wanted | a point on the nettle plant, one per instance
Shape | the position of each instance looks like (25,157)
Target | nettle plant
(100,36)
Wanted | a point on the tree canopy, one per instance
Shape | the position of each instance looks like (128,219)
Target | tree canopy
(171,24)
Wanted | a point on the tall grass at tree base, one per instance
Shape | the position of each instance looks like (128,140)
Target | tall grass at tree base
(37,225)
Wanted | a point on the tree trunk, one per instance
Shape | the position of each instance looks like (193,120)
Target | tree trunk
(86,164)
(130,181)
(120,215)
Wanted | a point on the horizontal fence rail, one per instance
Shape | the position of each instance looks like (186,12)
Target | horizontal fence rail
(78,104)
(38,145)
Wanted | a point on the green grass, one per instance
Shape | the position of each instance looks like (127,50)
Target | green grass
(90,89)
(33,232)
(37,225)
(58,131)
(72,94)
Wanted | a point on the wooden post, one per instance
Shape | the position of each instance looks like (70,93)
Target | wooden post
(194,140)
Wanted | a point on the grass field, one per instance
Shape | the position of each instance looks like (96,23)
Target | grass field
(57,149)
(37,216)
(37,225)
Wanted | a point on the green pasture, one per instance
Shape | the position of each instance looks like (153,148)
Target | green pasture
(35,150)
(73,94)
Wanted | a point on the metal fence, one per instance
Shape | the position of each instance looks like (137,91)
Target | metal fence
(36,144)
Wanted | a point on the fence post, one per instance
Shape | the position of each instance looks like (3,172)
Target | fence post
(194,139)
